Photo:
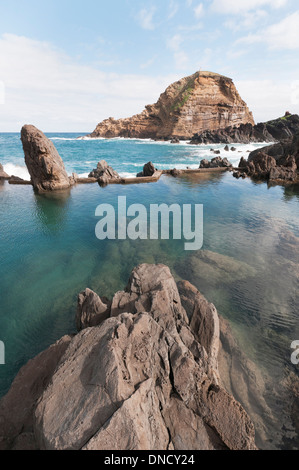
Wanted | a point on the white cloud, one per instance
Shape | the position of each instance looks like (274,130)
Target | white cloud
(268,99)
(282,35)
(145,18)
(173,8)
(46,88)
(236,7)
(199,10)
(180,57)
(249,20)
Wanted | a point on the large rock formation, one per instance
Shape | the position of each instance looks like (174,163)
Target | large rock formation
(146,378)
(279,129)
(44,164)
(202,101)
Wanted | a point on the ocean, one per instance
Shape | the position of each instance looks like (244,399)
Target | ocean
(248,266)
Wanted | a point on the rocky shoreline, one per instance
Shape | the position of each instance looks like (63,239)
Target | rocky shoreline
(281,129)
(276,163)
(147,362)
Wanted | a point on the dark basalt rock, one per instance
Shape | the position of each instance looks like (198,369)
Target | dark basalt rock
(274,162)
(264,166)
(216,162)
(277,130)
(148,170)
(104,173)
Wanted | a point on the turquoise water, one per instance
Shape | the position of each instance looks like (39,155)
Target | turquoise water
(248,269)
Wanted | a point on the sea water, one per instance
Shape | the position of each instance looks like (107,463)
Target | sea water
(248,266)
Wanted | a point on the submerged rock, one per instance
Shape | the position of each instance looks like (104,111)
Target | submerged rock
(145,379)
(44,164)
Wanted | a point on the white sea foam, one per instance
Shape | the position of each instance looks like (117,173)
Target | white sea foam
(64,138)
(16,170)
(125,174)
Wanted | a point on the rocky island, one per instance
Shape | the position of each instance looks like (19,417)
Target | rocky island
(203,101)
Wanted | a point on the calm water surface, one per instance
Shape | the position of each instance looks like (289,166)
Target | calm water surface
(248,266)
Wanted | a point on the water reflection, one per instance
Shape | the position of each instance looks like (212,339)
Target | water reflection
(207,178)
(51,209)
(291,191)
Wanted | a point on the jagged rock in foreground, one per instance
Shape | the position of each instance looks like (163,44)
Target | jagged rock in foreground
(279,129)
(91,310)
(146,378)
(202,101)
(44,164)
(3,175)
(104,173)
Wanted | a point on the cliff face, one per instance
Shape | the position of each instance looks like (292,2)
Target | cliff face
(194,104)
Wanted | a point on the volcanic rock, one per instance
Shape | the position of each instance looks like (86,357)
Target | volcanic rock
(44,164)
(279,129)
(262,165)
(148,170)
(104,173)
(216,162)
(146,378)
(200,102)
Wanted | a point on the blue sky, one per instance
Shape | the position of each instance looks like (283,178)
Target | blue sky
(65,65)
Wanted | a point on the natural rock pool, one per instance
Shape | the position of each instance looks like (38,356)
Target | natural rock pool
(248,266)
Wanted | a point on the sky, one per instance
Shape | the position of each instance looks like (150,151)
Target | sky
(66,65)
